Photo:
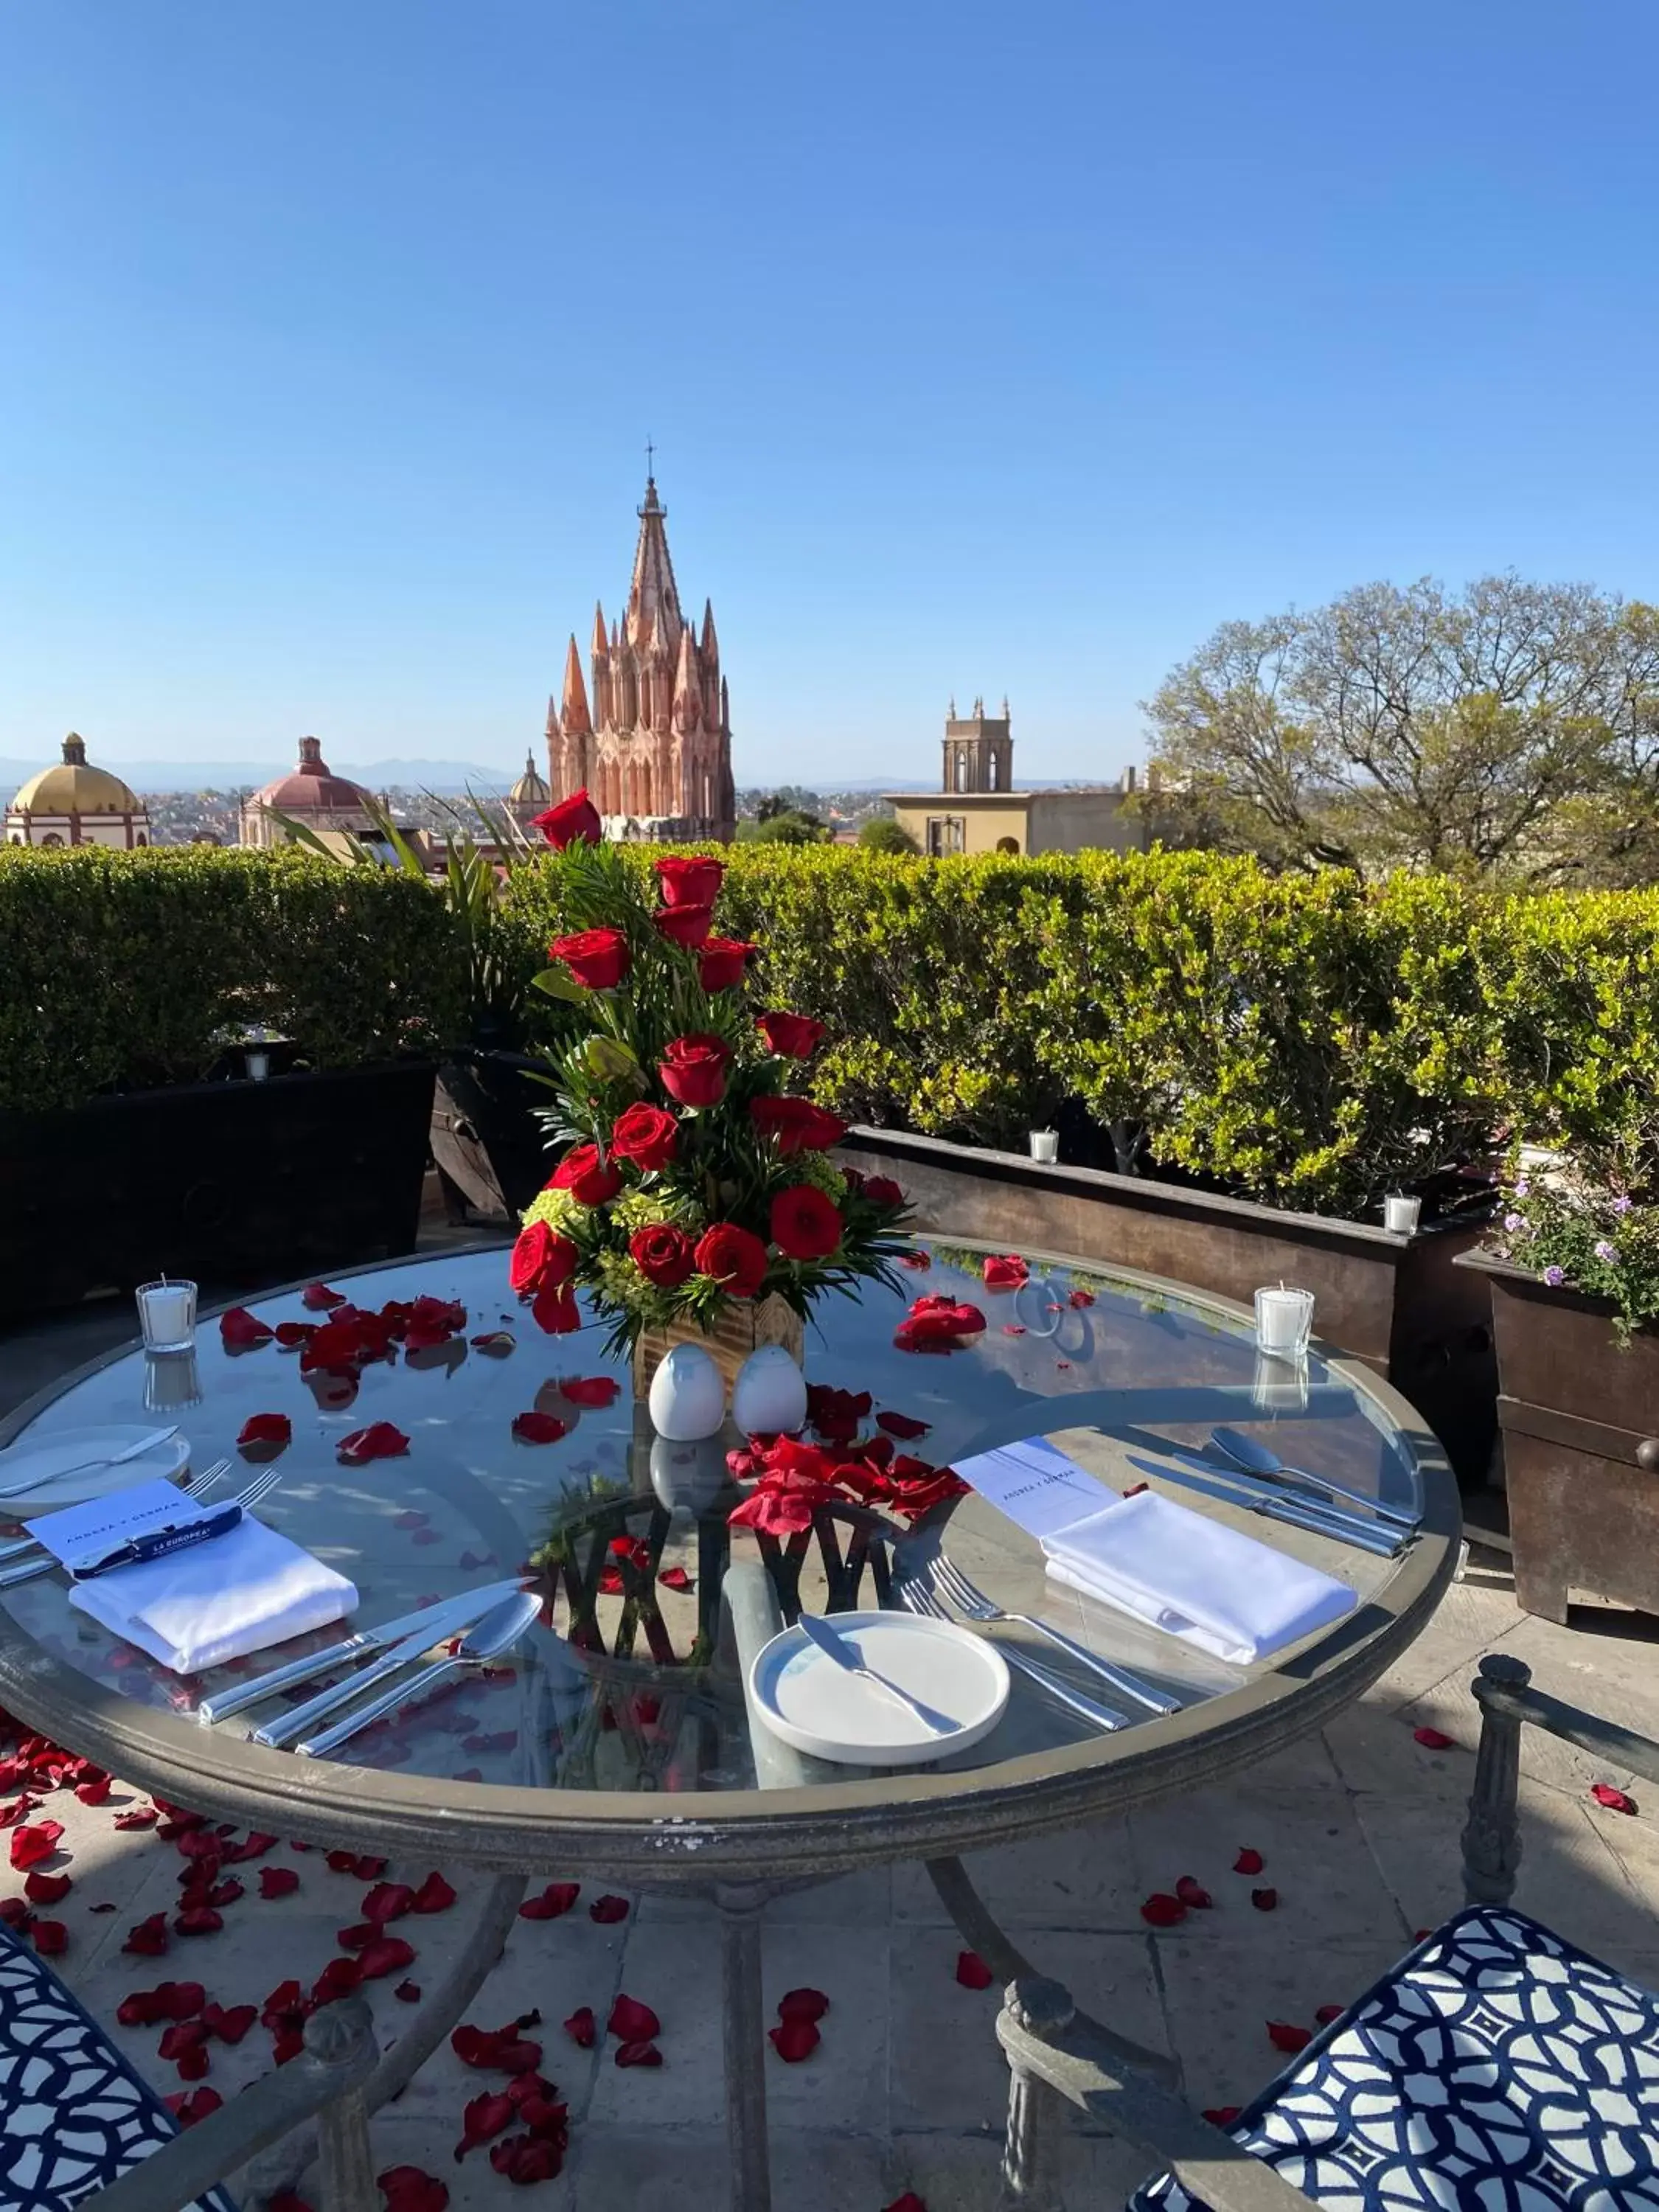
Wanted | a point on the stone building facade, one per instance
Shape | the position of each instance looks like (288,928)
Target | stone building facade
(73,802)
(976,808)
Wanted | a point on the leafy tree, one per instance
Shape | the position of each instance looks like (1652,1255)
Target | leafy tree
(785,826)
(793,798)
(1511,729)
(884,835)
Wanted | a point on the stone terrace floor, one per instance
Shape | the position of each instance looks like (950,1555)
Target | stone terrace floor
(1358,1829)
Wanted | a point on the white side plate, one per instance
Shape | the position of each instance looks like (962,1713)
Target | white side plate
(168,1459)
(818,1707)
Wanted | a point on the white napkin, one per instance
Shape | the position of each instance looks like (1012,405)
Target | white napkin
(218,1601)
(1196,1578)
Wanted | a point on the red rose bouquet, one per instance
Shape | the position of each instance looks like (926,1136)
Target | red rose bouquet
(695,1178)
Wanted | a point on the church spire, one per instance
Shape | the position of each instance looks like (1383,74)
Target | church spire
(600,644)
(711,645)
(576,719)
(653,599)
(688,691)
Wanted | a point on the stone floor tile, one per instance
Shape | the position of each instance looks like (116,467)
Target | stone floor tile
(1316,1857)
(1634,1842)
(1376,1753)
(1470,1618)
(106,1865)
(1219,1995)
(1083,1878)
(404,2138)
(673,2169)
(948,2070)
(963,2174)
(864,1899)
(1300,1768)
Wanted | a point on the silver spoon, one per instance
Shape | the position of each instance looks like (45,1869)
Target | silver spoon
(1255,1459)
(499,1631)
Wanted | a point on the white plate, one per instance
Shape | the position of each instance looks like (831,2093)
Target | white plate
(818,1707)
(163,1462)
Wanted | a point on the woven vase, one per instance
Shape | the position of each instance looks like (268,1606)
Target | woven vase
(743,1328)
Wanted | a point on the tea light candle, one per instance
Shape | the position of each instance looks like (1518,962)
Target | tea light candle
(1283,1321)
(171,1380)
(166,1315)
(259,1066)
(1045,1144)
(1401,1214)
(1279,1386)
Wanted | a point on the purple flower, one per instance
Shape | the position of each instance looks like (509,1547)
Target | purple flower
(1604,1250)
(1523,1187)
(1514,1221)
(1622,1204)
(1554,1277)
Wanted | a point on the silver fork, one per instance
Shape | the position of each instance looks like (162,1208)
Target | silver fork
(261,1486)
(949,1583)
(917,1596)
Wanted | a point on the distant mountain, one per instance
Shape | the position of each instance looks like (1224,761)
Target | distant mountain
(439,775)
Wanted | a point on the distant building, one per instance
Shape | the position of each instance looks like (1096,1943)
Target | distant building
(653,751)
(76,803)
(311,794)
(530,795)
(976,808)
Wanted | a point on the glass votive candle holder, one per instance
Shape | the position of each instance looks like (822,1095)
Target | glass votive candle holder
(259,1063)
(1401,1214)
(172,1379)
(1284,1321)
(1045,1146)
(1279,1386)
(166,1315)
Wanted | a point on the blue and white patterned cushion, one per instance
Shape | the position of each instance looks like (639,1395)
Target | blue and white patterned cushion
(73,2114)
(1496,2069)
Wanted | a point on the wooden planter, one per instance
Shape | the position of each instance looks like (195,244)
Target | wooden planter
(1397,1303)
(743,1328)
(1580,1422)
(224,1182)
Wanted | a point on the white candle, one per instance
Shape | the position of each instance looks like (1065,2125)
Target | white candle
(258,1066)
(166,1315)
(1401,1214)
(1045,1144)
(1283,1321)
(1279,1386)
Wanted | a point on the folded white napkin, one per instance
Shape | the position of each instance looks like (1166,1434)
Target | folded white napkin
(1195,1577)
(218,1601)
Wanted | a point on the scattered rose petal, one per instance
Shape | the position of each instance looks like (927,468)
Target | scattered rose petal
(794,2040)
(539,1428)
(903,1426)
(483,2118)
(359,1863)
(591,1389)
(1080,1298)
(277,1881)
(189,2105)
(1013,1328)
(1327,2014)
(149,1940)
(197,1920)
(1265,1900)
(51,1938)
(30,1845)
(583,2028)
(809,2004)
(94,1792)
(241,1331)
(229,2023)
(379,1440)
(1284,2037)
(972,1971)
(265,1429)
(675,1578)
(1192,1894)
(1248,1861)
(433,1895)
(632,2021)
(608,1910)
(388,1954)
(558,1898)
(387,1900)
(317,1297)
(1433,1739)
(908,2203)
(139,1816)
(48,1888)
(1162,1910)
(1004,1271)
(407,2189)
(407,1993)
(1615,1800)
(1221,2116)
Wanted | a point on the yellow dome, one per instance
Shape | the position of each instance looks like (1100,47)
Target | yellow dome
(72,788)
(529,790)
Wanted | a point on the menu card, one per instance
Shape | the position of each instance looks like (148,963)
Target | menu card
(1035,1484)
(88,1531)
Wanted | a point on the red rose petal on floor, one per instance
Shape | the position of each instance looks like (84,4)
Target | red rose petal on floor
(1615,1800)
(338,1979)
(1327,2014)
(483,2118)
(1284,2037)
(51,1938)
(92,1793)
(407,2189)
(591,1390)
(229,2023)
(646,2054)
(607,1910)
(793,2041)
(1221,2116)
(534,1428)
(387,1900)
(187,2106)
(908,2203)
(972,1971)
(1162,1910)
(804,2004)
(433,1895)
(149,1940)
(14,1913)
(197,1920)
(1433,1739)
(140,1816)
(557,1897)
(675,1578)
(1192,1894)
(390,1954)
(1265,1900)
(277,1881)
(184,2035)
(407,1993)
(286,2200)
(30,1845)
(48,1888)
(632,2021)
(583,2028)
(1248,1861)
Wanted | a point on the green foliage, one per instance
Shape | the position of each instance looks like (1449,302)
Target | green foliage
(787,825)
(120,971)
(1591,1236)
(884,835)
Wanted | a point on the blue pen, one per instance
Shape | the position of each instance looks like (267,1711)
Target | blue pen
(157,1543)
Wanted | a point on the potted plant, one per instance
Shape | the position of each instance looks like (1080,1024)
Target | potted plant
(696,1200)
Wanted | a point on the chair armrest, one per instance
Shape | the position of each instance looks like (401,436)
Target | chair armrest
(1045,2036)
(1503,1685)
(338,2057)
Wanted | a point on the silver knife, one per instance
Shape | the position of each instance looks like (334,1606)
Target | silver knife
(835,1646)
(99,1458)
(444,1619)
(1231,1489)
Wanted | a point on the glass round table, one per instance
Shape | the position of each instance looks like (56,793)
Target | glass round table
(619,1742)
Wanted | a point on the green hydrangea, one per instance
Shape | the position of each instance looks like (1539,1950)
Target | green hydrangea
(644,1209)
(821,1171)
(557,1209)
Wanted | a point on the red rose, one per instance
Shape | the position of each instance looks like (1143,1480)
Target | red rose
(539,1258)
(693,1069)
(805,1224)
(797,1124)
(590,1179)
(686,925)
(596,958)
(733,1257)
(722,962)
(663,1255)
(797,1037)
(573,821)
(646,1135)
(881,1190)
(689,882)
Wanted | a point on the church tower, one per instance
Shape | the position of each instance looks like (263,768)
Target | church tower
(653,748)
(979,751)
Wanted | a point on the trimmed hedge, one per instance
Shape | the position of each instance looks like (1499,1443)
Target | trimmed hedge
(122,971)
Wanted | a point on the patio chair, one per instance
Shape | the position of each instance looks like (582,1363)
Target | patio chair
(79,2128)
(1496,2066)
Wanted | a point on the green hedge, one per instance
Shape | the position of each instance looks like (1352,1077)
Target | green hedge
(123,971)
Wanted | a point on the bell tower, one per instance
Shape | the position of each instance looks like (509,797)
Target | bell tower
(979,751)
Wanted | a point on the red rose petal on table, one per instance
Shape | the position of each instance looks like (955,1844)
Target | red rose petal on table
(197,1920)
(291,1334)
(51,1938)
(1284,2037)
(1080,1298)
(1433,1739)
(317,1297)
(583,2028)
(794,2040)
(1248,1861)
(411,1520)
(48,1888)
(388,1954)
(483,2118)
(265,1429)
(1162,1910)
(675,1578)
(495,1343)
(433,1895)
(608,1910)
(557,1897)
(277,1881)
(229,2023)
(972,1971)
(241,1331)
(803,2004)
(1013,1328)
(407,1993)
(1265,1900)
(407,2189)
(187,2106)
(94,1792)
(632,2021)
(1221,2116)
(534,1428)
(1615,1800)
(1327,2014)
(139,1816)
(379,1440)
(1192,1893)
(591,1389)
(30,1845)
(1004,1271)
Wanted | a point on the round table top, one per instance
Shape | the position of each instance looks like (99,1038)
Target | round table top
(618,1740)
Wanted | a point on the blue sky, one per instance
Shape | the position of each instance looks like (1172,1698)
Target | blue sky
(984,348)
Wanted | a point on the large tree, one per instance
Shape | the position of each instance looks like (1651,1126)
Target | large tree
(1511,729)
